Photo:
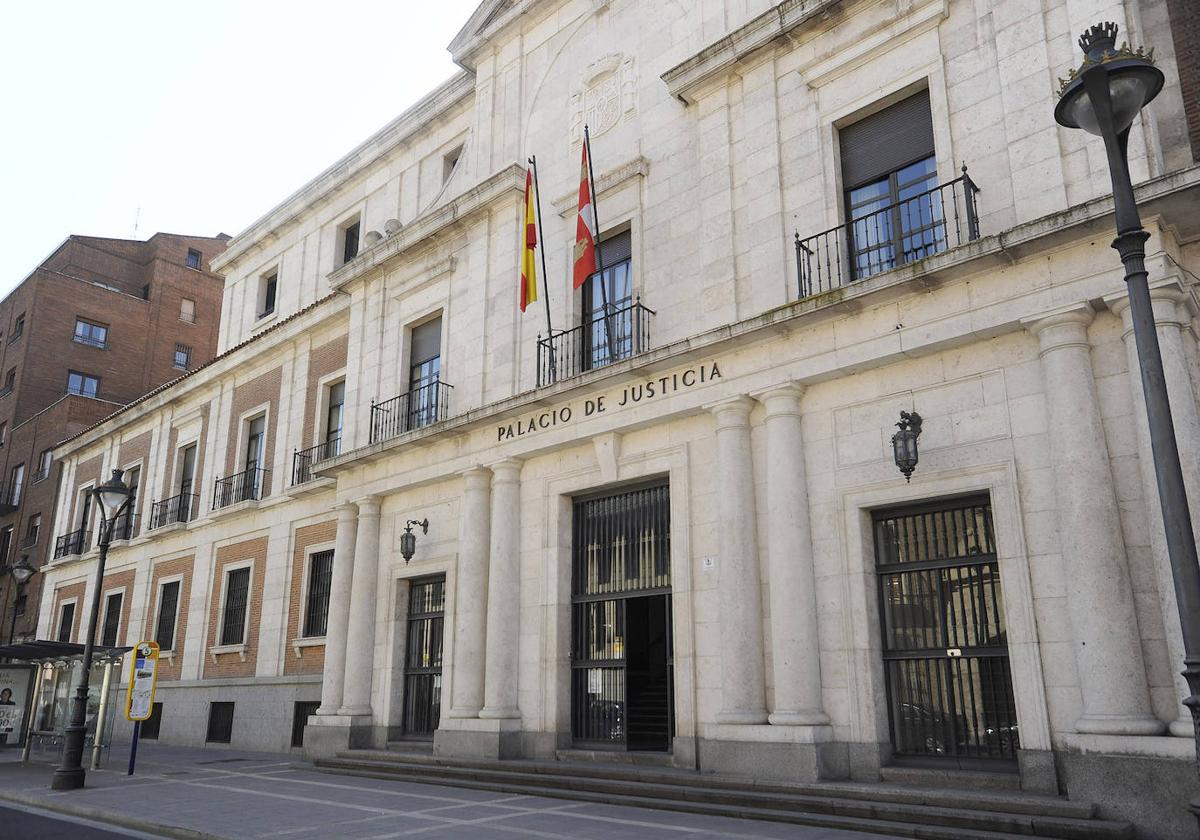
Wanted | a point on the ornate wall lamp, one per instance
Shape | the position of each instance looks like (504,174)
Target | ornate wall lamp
(408,540)
(904,443)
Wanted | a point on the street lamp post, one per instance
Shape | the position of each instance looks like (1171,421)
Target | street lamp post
(21,572)
(112,499)
(1102,97)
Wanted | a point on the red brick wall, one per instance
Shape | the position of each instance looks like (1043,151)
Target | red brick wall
(311,659)
(232,664)
(261,389)
(63,593)
(1185,31)
(169,668)
(322,361)
(116,581)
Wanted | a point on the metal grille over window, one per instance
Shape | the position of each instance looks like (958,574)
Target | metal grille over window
(168,603)
(183,356)
(237,588)
(316,607)
(945,643)
(423,657)
(220,723)
(621,643)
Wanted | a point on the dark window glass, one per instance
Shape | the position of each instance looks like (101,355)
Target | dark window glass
(424,373)
(153,724)
(18,328)
(34,528)
(256,436)
(187,469)
(303,710)
(94,335)
(270,284)
(334,417)
(607,302)
(6,538)
(83,384)
(16,484)
(316,607)
(168,603)
(193,258)
(66,621)
(112,620)
(10,379)
(350,243)
(183,356)
(3,433)
(237,588)
(220,723)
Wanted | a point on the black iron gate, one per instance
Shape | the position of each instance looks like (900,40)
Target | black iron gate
(945,646)
(423,657)
(621,647)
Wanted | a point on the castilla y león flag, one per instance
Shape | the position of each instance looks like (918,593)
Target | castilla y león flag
(528,264)
(585,225)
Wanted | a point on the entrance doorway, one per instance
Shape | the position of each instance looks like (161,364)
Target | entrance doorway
(945,644)
(621,651)
(423,657)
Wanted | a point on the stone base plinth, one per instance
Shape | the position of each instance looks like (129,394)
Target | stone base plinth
(327,735)
(474,738)
(776,753)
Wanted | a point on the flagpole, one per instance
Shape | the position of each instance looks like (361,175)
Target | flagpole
(587,139)
(537,191)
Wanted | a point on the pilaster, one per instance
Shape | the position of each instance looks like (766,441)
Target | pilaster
(503,594)
(333,675)
(360,635)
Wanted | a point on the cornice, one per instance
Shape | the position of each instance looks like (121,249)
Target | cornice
(489,20)
(316,193)
(637,167)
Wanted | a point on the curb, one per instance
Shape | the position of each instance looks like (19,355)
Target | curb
(107,817)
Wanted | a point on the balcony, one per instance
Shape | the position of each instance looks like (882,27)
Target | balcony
(303,459)
(246,486)
(418,408)
(126,527)
(76,542)
(621,333)
(87,340)
(911,229)
(40,476)
(177,509)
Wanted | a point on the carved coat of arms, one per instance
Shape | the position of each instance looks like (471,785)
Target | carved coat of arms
(605,94)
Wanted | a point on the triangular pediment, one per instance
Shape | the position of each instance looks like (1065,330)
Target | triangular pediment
(485,15)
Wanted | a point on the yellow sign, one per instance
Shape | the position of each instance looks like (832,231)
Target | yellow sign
(143,677)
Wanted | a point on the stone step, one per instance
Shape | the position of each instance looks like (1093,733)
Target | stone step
(695,794)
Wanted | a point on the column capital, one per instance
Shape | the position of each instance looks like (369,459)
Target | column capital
(346,510)
(507,470)
(1165,299)
(732,412)
(782,399)
(368,505)
(1065,327)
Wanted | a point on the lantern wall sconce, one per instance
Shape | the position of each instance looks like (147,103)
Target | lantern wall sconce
(904,443)
(408,540)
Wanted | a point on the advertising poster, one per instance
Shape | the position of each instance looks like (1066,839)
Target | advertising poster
(142,680)
(14,702)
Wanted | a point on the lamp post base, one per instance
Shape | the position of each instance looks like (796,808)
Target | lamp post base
(68,779)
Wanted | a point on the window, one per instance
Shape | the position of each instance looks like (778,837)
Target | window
(6,537)
(168,611)
(237,591)
(187,310)
(334,415)
(112,620)
(83,384)
(43,470)
(316,603)
(268,285)
(3,433)
(187,469)
(449,162)
(349,237)
(888,168)
(91,334)
(303,710)
(608,315)
(66,621)
(220,723)
(16,484)
(152,725)
(33,529)
(183,356)
(424,373)
(18,328)
(256,438)
(193,258)
(10,379)
(85,508)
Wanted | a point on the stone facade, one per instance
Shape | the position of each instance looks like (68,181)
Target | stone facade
(766,407)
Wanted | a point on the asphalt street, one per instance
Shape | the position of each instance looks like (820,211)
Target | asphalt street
(20,823)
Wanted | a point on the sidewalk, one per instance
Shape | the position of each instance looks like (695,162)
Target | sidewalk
(217,794)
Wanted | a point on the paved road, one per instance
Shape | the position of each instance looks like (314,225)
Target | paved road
(20,823)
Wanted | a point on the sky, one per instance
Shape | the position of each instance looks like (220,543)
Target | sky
(125,118)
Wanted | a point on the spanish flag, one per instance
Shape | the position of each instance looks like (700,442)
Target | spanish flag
(585,224)
(528,264)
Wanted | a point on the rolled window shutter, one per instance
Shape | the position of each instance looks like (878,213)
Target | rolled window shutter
(427,341)
(889,140)
(616,248)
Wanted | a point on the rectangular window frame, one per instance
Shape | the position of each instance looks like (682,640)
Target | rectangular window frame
(73,603)
(321,425)
(16,484)
(188,317)
(302,626)
(213,707)
(197,263)
(184,351)
(268,294)
(84,377)
(161,584)
(91,334)
(224,646)
(109,594)
(18,329)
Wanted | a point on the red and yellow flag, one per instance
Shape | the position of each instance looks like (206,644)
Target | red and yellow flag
(528,263)
(585,225)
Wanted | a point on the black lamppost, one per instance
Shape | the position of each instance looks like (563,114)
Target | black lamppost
(21,572)
(112,499)
(1102,97)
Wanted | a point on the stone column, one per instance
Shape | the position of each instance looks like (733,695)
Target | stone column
(360,635)
(1170,322)
(1108,651)
(795,647)
(333,675)
(743,681)
(503,594)
(471,596)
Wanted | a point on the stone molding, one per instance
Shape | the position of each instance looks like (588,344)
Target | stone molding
(637,167)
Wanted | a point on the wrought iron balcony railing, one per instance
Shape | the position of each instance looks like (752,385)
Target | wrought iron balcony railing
(179,508)
(418,408)
(76,542)
(40,475)
(303,459)
(90,342)
(127,526)
(248,485)
(29,540)
(617,334)
(908,230)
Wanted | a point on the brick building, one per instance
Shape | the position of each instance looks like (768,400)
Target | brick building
(99,323)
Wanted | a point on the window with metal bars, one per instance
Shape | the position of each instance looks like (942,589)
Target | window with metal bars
(168,603)
(183,356)
(220,723)
(316,604)
(423,657)
(301,712)
(237,591)
(112,620)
